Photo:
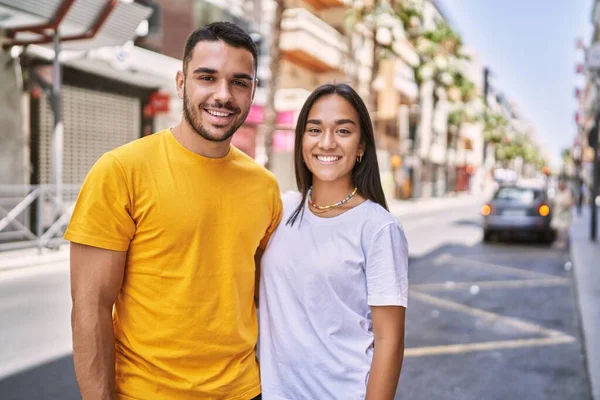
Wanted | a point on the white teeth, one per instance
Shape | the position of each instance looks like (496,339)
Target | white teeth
(328,158)
(217,113)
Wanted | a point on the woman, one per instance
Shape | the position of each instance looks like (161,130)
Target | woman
(562,215)
(333,286)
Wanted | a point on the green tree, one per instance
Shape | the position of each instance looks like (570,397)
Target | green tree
(382,23)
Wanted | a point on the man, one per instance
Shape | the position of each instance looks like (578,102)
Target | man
(163,238)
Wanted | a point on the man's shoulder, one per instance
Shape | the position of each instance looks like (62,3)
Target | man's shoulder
(251,169)
(138,149)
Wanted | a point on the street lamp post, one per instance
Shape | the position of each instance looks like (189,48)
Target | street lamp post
(594,136)
(593,65)
(577,160)
(58,131)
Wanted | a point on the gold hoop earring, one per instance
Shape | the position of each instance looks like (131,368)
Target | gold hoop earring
(359,158)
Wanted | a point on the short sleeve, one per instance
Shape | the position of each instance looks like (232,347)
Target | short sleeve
(102,214)
(275,220)
(387,268)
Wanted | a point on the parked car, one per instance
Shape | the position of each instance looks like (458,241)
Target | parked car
(517,209)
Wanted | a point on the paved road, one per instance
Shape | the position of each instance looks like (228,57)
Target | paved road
(509,332)
(495,321)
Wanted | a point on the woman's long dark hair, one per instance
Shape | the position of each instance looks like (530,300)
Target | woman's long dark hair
(365,175)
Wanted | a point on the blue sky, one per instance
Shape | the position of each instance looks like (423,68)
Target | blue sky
(530,47)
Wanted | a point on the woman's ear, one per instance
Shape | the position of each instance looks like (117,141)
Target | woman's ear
(361,148)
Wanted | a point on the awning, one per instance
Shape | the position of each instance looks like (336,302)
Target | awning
(82,24)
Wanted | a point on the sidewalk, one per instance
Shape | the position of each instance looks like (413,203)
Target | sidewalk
(400,208)
(24,258)
(585,255)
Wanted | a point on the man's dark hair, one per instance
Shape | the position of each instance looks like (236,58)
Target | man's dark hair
(227,32)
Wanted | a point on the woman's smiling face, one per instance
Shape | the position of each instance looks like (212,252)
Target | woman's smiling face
(332,139)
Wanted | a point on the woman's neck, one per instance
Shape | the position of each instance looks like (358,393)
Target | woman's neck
(327,193)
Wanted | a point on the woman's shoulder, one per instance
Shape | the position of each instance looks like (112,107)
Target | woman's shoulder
(374,220)
(379,216)
(291,198)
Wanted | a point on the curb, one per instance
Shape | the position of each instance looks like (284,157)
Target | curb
(16,259)
(587,283)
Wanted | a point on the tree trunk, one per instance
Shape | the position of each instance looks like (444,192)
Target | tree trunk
(350,62)
(270,111)
(372,101)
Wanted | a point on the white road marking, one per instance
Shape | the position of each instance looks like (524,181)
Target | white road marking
(486,346)
(488,316)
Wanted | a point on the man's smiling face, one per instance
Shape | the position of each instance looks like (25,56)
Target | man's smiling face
(217,87)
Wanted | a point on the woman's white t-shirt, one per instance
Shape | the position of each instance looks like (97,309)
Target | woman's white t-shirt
(318,280)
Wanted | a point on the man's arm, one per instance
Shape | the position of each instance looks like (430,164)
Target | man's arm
(96,279)
(388,328)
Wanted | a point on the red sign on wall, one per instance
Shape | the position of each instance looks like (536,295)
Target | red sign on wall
(159,102)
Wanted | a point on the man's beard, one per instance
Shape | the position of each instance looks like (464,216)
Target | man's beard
(193,119)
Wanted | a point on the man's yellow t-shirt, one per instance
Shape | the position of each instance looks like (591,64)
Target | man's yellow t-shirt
(185,321)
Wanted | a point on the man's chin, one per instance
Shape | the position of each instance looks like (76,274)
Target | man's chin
(220,134)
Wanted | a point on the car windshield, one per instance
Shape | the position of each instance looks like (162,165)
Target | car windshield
(522,195)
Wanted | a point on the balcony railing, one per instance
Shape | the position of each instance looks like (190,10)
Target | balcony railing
(34,215)
(322,4)
(404,80)
(308,41)
(291,99)
(406,50)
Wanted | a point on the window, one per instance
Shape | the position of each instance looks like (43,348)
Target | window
(522,195)
(207,13)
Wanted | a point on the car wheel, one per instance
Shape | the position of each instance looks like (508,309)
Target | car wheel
(487,236)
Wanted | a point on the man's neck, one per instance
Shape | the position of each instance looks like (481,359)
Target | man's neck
(192,141)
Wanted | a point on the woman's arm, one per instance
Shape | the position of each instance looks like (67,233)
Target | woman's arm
(388,328)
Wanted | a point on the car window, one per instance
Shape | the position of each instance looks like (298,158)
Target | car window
(522,195)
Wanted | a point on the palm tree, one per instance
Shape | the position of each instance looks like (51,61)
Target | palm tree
(374,21)
(268,126)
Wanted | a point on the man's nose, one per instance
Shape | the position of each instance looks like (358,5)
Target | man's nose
(222,93)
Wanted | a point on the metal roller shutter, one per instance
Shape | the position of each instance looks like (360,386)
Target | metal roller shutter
(94,123)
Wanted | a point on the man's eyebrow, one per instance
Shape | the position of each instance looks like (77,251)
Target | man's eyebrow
(243,76)
(204,70)
(212,71)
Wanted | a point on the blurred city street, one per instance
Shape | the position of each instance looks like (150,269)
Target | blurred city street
(480,130)
(485,321)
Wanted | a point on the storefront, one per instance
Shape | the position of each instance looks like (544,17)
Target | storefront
(99,114)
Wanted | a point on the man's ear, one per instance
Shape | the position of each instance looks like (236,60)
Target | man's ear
(180,81)
(254,90)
